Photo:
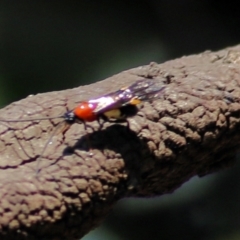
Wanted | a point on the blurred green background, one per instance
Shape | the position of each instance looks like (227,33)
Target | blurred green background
(54,45)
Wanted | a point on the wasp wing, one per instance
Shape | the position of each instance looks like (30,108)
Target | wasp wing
(146,90)
(142,90)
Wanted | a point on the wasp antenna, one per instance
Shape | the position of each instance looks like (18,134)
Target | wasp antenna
(45,147)
(30,119)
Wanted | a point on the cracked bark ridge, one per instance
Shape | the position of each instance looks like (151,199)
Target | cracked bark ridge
(192,130)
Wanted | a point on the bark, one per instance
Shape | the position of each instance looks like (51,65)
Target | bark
(191,130)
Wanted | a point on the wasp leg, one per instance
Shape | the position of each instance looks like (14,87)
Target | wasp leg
(101,123)
(39,158)
(89,145)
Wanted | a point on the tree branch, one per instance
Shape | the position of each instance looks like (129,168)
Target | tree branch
(192,130)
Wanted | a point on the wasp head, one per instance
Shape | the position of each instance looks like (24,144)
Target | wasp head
(70,117)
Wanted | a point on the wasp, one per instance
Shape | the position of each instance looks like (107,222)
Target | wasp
(117,105)
(113,107)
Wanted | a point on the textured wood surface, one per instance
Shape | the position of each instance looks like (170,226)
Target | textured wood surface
(192,130)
